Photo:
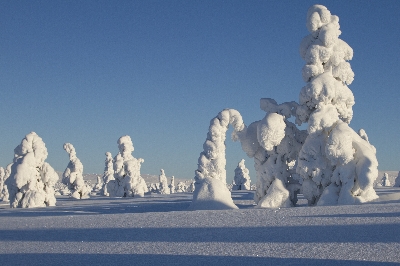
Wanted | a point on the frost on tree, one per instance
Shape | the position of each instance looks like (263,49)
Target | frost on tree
(211,191)
(128,182)
(385,180)
(172,185)
(108,174)
(241,179)
(73,175)
(164,189)
(337,165)
(99,184)
(31,180)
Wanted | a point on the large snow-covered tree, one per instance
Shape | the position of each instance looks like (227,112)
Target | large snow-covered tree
(73,175)
(31,180)
(337,165)
(242,178)
(128,182)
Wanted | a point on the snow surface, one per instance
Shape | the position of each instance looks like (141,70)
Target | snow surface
(158,229)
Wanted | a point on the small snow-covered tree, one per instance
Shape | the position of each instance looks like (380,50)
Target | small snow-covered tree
(99,184)
(172,185)
(181,187)
(385,180)
(211,191)
(73,175)
(241,179)
(31,180)
(108,174)
(164,189)
(2,174)
(397,181)
(128,182)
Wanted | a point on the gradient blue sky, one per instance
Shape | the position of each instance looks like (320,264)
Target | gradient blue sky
(88,72)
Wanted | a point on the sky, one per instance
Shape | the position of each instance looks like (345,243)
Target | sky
(89,72)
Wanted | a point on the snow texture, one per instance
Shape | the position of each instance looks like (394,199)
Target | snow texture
(210,177)
(73,175)
(159,230)
(241,179)
(128,182)
(31,180)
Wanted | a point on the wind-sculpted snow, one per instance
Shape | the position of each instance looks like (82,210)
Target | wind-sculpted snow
(128,182)
(73,175)
(31,180)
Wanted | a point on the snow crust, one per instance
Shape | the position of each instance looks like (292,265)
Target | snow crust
(31,180)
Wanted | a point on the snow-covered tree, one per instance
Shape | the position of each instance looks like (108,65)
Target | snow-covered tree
(181,187)
(164,189)
(2,174)
(190,187)
(211,191)
(172,185)
(385,180)
(99,184)
(338,166)
(108,174)
(73,175)
(329,162)
(241,179)
(128,182)
(397,181)
(31,179)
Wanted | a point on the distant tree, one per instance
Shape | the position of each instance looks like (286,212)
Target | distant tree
(172,185)
(385,180)
(108,174)
(164,189)
(128,181)
(31,179)
(241,179)
(73,175)
(181,187)
(397,181)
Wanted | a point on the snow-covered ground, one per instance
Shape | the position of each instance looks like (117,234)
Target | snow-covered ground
(158,230)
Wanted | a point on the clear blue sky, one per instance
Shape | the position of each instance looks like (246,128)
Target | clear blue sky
(88,72)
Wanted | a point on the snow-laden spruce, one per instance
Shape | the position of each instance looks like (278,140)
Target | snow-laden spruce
(31,180)
(211,191)
(2,179)
(73,175)
(181,187)
(242,178)
(162,178)
(128,182)
(385,180)
(172,185)
(108,174)
(337,165)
